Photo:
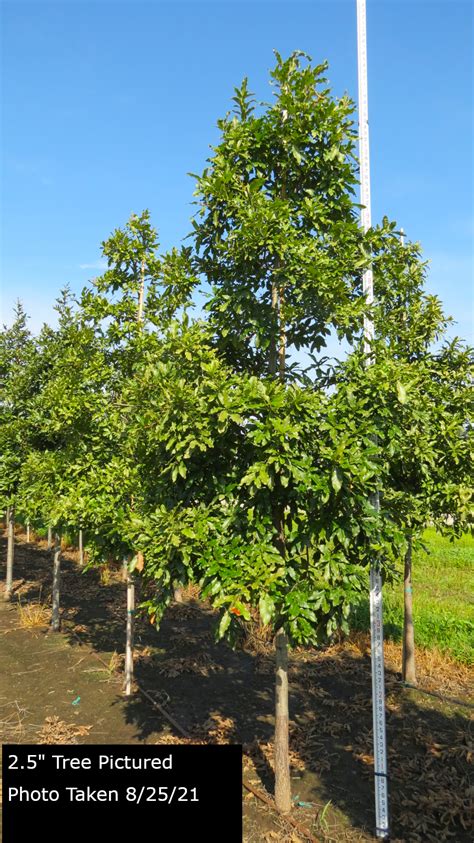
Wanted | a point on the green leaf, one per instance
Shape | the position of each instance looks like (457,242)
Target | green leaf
(336,480)
(401,393)
(266,607)
(296,155)
(223,625)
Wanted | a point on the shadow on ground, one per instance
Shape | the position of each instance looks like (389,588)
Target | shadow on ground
(222,695)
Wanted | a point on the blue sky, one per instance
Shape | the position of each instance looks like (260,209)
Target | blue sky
(107,105)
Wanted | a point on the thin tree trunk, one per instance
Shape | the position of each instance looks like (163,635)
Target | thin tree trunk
(127,575)
(55,622)
(272,361)
(282,335)
(27,532)
(129,635)
(141,293)
(81,548)
(277,362)
(282,758)
(282,773)
(10,552)
(50,538)
(408,658)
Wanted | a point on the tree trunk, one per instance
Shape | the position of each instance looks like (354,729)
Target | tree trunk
(141,293)
(10,552)
(129,635)
(272,360)
(277,364)
(282,335)
(55,623)
(282,758)
(27,532)
(81,548)
(50,538)
(282,767)
(128,577)
(408,659)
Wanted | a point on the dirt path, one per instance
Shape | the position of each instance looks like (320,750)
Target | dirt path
(219,695)
(46,675)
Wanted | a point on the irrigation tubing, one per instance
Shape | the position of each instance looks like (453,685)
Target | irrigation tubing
(454,700)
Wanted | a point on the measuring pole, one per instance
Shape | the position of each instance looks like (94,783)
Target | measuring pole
(376,618)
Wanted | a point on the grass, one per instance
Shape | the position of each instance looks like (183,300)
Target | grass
(443,602)
(33,615)
(110,670)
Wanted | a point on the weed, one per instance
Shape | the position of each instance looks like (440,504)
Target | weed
(105,575)
(322,823)
(115,664)
(33,615)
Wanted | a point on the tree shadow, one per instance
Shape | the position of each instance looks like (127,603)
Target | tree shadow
(220,695)
(330,732)
(94,609)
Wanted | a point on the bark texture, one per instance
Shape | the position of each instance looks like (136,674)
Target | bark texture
(282,768)
(129,635)
(81,548)
(408,659)
(55,620)
(10,552)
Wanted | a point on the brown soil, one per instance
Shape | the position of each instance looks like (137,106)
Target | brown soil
(220,695)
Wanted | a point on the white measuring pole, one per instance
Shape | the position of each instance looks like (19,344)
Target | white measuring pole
(376,617)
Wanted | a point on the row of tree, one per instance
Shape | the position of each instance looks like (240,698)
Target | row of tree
(227,448)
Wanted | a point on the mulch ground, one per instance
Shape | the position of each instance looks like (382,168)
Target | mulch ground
(220,695)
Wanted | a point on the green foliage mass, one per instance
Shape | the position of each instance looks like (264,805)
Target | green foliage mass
(200,442)
(17,386)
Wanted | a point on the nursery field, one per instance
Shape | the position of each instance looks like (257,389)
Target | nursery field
(67,687)
(224,445)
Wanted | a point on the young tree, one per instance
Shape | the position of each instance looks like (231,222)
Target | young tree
(17,384)
(268,503)
(279,243)
(58,427)
(126,308)
(429,480)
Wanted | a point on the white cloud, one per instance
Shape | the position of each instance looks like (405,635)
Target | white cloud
(96,265)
